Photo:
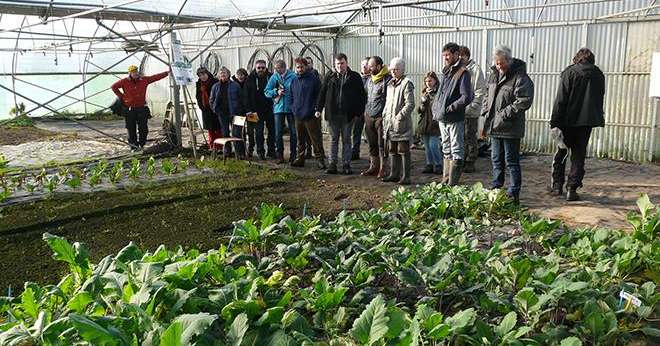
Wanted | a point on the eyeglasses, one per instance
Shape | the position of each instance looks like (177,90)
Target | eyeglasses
(260,68)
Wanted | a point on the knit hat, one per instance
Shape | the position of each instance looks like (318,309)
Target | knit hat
(132,68)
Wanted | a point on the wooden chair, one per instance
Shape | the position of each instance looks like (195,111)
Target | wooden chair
(239,121)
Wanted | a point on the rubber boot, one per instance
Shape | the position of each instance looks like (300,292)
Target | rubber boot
(468,167)
(374,164)
(407,163)
(446,164)
(455,171)
(395,169)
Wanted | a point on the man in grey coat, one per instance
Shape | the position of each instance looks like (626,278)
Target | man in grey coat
(373,116)
(473,110)
(454,94)
(510,95)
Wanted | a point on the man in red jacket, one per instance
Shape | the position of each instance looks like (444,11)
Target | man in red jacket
(133,94)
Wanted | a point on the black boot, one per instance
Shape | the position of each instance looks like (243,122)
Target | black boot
(321,163)
(437,169)
(572,195)
(556,190)
(346,169)
(395,169)
(428,169)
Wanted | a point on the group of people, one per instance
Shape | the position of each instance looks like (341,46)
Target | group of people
(380,101)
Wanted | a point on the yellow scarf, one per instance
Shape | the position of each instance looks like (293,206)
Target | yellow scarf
(379,77)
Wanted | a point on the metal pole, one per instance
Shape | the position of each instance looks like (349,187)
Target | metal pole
(67,118)
(56,92)
(176,96)
(97,75)
(212,43)
(83,13)
(100,23)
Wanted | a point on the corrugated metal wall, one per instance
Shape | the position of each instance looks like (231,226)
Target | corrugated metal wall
(622,50)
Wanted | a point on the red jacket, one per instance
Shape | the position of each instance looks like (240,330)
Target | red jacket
(134,91)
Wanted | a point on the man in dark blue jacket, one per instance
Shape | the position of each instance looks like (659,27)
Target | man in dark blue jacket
(302,98)
(454,95)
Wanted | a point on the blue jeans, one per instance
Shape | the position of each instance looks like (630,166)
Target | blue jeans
(432,150)
(279,132)
(506,152)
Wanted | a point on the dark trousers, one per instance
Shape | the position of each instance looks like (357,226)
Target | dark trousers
(505,152)
(280,118)
(358,126)
(255,132)
(340,128)
(311,130)
(576,139)
(136,119)
(373,128)
(399,147)
(471,145)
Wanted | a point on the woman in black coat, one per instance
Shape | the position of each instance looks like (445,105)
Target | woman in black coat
(203,92)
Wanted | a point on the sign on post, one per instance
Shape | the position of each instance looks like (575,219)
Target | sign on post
(181,68)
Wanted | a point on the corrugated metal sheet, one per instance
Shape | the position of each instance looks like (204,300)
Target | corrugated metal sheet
(622,51)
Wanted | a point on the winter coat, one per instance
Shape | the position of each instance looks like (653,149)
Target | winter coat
(342,97)
(256,100)
(243,95)
(377,94)
(304,93)
(426,126)
(480,90)
(507,101)
(397,115)
(454,94)
(210,120)
(280,104)
(234,101)
(580,97)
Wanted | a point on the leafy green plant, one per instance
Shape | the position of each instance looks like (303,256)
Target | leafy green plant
(397,275)
(168,167)
(116,173)
(151,167)
(135,170)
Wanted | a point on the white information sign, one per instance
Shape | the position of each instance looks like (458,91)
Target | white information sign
(181,68)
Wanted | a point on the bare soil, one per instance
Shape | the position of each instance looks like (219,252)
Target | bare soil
(20,135)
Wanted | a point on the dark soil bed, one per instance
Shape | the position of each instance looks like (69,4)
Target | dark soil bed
(20,135)
(193,212)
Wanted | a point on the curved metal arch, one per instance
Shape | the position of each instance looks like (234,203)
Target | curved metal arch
(319,54)
(282,50)
(253,59)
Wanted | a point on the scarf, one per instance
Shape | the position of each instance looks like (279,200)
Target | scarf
(204,86)
(380,75)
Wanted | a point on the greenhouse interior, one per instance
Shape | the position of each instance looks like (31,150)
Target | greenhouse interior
(314,172)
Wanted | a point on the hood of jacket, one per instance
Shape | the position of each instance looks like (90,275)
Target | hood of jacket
(517,66)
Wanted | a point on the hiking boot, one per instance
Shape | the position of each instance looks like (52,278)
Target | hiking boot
(332,169)
(262,156)
(299,162)
(556,190)
(321,163)
(355,156)
(514,197)
(572,195)
(428,169)
(347,170)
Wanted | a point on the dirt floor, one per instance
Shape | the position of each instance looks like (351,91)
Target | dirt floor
(20,135)
(610,191)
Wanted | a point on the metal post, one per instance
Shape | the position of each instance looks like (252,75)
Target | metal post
(176,96)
